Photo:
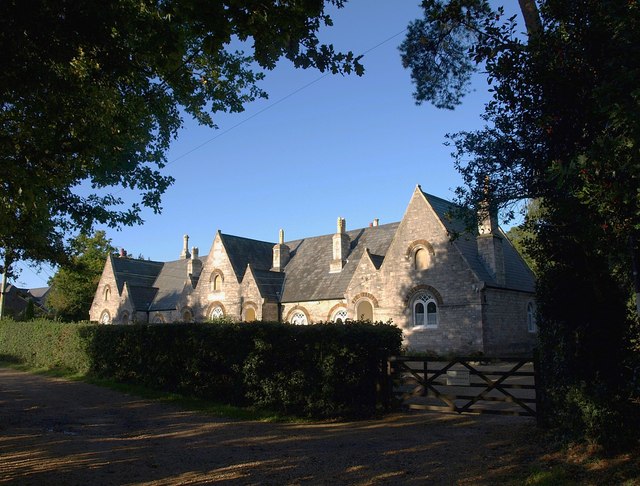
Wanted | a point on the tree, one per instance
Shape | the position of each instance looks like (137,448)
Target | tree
(75,283)
(563,125)
(92,93)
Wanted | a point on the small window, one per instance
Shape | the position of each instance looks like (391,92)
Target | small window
(531,318)
(340,316)
(216,282)
(105,318)
(216,313)
(187,316)
(421,259)
(424,310)
(125,318)
(107,294)
(249,314)
(364,311)
(299,318)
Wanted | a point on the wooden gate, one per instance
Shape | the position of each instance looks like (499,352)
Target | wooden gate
(465,385)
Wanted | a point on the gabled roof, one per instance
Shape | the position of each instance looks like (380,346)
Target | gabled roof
(518,276)
(307,274)
(245,251)
(170,283)
(137,273)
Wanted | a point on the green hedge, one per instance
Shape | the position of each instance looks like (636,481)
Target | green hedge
(323,370)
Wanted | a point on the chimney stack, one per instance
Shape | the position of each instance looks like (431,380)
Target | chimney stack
(185,248)
(194,267)
(341,247)
(281,254)
(490,242)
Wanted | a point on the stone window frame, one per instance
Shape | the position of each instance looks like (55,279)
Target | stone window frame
(216,273)
(338,308)
(426,300)
(532,326)
(412,253)
(158,319)
(249,305)
(105,317)
(212,307)
(298,310)
(413,296)
(107,293)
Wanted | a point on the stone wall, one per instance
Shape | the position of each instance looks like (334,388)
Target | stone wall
(506,332)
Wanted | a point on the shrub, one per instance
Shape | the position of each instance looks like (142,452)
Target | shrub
(324,370)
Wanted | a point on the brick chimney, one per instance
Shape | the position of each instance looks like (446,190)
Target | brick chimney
(281,254)
(341,247)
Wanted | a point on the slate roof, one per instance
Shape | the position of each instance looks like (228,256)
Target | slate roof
(307,274)
(518,276)
(306,277)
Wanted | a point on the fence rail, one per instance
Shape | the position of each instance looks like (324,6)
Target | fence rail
(465,384)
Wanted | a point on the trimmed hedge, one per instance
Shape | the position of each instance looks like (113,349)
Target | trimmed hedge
(322,370)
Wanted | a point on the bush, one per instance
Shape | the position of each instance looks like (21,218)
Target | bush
(324,370)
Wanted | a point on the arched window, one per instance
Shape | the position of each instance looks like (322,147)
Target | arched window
(187,316)
(364,311)
(216,282)
(216,313)
(424,310)
(158,319)
(105,318)
(531,317)
(107,293)
(340,315)
(421,259)
(299,318)
(249,314)
(125,317)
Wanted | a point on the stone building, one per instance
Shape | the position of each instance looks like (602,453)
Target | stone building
(470,294)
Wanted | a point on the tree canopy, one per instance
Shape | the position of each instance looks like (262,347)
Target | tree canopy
(563,126)
(74,284)
(92,93)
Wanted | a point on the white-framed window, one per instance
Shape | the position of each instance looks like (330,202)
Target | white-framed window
(424,311)
(217,313)
(531,317)
(105,317)
(340,315)
(299,318)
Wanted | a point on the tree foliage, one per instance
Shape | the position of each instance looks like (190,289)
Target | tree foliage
(563,126)
(75,283)
(92,93)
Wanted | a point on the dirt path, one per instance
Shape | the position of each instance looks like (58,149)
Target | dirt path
(54,431)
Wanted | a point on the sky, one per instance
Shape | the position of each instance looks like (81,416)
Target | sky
(321,147)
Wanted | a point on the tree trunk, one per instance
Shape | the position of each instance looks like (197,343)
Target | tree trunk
(531,16)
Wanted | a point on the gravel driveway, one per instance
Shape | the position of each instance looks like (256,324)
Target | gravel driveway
(54,431)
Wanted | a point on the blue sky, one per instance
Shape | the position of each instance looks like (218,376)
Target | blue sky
(318,148)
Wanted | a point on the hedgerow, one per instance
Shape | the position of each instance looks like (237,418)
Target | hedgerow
(323,370)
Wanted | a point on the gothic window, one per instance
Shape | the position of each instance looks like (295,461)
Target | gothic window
(216,313)
(125,318)
(105,318)
(424,311)
(364,311)
(158,319)
(299,318)
(107,294)
(340,316)
(531,317)
(421,259)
